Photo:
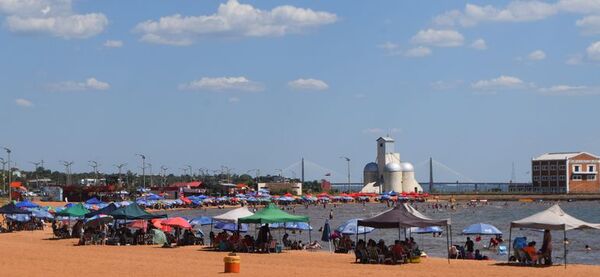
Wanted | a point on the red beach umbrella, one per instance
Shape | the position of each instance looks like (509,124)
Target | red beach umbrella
(177,222)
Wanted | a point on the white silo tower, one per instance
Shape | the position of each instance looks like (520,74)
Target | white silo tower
(409,183)
(392,177)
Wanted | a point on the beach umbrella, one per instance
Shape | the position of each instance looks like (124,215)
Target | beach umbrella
(19,217)
(325,236)
(40,213)
(426,230)
(350,227)
(94,201)
(481,229)
(138,224)
(26,204)
(159,237)
(231,227)
(179,222)
(202,220)
(98,220)
(302,226)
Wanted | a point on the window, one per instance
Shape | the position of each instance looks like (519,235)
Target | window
(576,168)
(591,168)
(552,167)
(544,178)
(536,178)
(563,177)
(553,178)
(576,177)
(544,167)
(562,167)
(591,177)
(536,167)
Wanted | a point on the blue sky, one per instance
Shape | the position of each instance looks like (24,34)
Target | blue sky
(477,85)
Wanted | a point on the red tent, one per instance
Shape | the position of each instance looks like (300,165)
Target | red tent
(324,194)
(186,200)
(177,222)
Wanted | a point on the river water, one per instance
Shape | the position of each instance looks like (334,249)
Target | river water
(499,214)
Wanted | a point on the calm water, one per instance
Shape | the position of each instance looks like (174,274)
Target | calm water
(499,214)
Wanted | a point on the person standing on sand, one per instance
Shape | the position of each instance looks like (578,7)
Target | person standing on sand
(470,245)
(546,250)
(331,214)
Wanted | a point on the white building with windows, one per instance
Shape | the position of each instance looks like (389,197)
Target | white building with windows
(389,173)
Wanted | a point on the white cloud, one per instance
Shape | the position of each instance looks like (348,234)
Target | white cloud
(232,19)
(391,48)
(113,43)
(22,102)
(593,51)
(568,90)
(502,82)
(223,84)
(53,17)
(516,11)
(88,84)
(308,84)
(418,52)
(446,85)
(574,59)
(479,44)
(536,55)
(439,38)
(590,25)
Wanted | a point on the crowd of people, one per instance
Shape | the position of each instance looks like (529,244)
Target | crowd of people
(379,253)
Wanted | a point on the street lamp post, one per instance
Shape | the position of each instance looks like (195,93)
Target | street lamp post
(67,171)
(3,173)
(120,167)
(95,165)
(191,171)
(151,175)
(163,172)
(8,151)
(143,169)
(348,161)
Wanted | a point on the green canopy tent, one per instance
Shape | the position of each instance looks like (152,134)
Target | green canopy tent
(77,210)
(132,212)
(272,214)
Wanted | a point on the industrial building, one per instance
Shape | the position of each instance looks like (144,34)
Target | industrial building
(388,173)
(566,172)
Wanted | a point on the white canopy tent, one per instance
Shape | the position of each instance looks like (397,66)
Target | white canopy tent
(554,218)
(233,215)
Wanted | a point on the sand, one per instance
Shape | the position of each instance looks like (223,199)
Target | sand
(33,253)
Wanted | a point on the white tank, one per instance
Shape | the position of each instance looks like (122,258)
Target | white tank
(370,173)
(392,177)
(409,183)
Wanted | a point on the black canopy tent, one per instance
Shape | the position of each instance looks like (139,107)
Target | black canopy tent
(106,210)
(404,216)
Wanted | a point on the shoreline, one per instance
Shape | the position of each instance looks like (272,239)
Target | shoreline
(34,253)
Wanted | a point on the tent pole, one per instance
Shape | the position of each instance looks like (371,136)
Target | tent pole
(309,233)
(448,241)
(509,242)
(565,244)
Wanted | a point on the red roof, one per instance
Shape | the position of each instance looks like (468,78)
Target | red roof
(194,184)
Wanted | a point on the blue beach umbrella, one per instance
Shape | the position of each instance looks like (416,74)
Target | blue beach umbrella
(302,226)
(231,227)
(40,213)
(426,230)
(26,204)
(481,229)
(202,220)
(19,217)
(350,227)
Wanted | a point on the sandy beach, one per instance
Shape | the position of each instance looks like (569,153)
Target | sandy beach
(35,254)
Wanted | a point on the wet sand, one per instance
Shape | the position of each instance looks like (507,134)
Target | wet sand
(35,254)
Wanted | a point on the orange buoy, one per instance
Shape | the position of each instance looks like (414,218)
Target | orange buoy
(232,263)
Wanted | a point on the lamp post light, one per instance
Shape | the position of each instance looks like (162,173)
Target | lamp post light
(8,151)
(95,165)
(151,175)
(120,168)
(143,169)
(67,171)
(191,171)
(348,161)
(163,172)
